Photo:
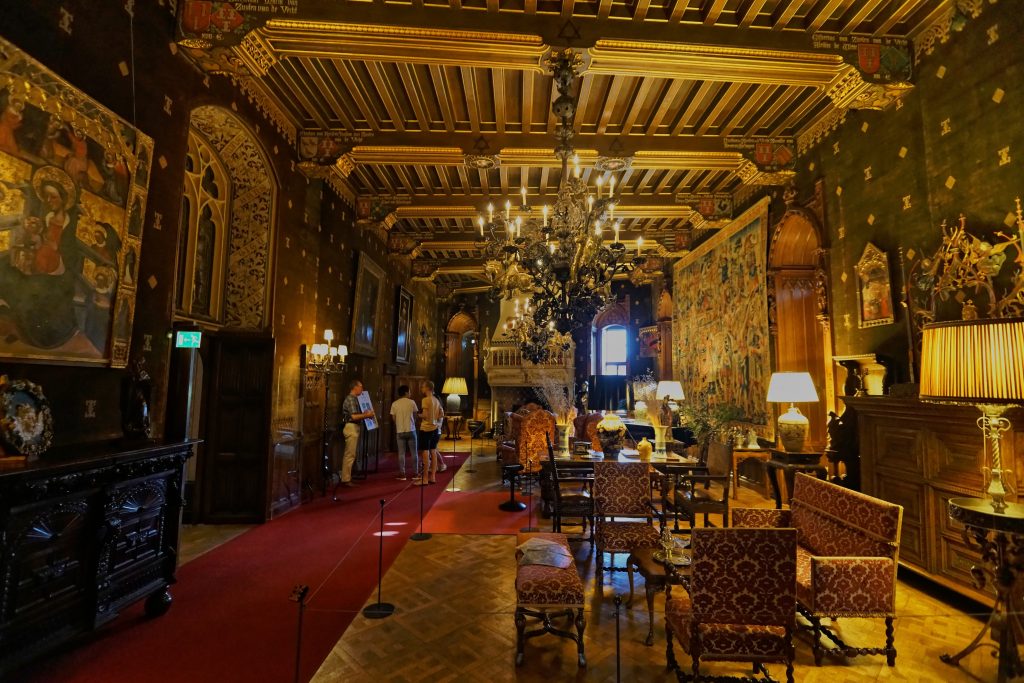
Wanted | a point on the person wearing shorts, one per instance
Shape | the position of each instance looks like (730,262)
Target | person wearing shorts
(431,414)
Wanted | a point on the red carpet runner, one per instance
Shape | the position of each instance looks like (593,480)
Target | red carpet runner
(232,619)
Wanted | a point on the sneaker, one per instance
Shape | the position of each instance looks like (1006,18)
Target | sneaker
(402,478)
(419,482)
(442,467)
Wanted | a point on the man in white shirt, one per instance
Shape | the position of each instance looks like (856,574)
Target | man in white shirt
(403,413)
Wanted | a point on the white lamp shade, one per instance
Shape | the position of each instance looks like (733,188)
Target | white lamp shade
(670,389)
(329,335)
(791,387)
(973,361)
(455,385)
(342,350)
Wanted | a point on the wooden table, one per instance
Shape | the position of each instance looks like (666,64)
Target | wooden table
(789,463)
(578,467)
(741,454)
(454,425)
(998,537)
(655,580)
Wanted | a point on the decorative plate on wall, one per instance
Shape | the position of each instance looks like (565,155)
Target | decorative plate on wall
(26,423)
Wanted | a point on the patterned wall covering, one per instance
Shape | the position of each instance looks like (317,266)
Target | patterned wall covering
(955,145)
(720,325)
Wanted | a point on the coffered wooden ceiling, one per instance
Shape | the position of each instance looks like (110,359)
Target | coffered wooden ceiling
(417,86)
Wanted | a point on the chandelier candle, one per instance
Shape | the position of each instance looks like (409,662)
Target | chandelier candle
(557,255)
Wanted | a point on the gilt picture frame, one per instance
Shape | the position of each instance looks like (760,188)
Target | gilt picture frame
(874,288)
(403,326)
(366,307)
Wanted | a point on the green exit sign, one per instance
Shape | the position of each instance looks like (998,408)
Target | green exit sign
(188,340)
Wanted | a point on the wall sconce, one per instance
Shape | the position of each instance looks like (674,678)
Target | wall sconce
(324,358)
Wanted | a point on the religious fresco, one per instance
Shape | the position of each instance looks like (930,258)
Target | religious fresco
(73,187)
(720,322)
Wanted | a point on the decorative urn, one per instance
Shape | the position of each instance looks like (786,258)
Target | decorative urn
(611,432)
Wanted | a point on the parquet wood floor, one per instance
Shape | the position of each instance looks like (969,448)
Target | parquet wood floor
(455,599)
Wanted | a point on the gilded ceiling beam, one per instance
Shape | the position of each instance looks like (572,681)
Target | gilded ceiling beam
(456,207)
(730,61)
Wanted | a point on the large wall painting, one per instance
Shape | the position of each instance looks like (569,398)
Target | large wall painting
(73,187)
(720,322)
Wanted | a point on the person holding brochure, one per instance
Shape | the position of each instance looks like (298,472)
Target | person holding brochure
(351,417)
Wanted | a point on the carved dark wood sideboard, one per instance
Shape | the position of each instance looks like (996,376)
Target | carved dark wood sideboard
(919,455)
(84,532)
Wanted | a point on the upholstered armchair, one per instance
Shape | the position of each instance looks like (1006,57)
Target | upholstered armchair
(586,429)
(623,511)
(741,601)
(846,558)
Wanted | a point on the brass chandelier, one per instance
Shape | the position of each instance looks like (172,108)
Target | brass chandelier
(559,257)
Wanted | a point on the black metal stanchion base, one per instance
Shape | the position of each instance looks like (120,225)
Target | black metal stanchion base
(512,506)
(420,536)
(529,528)
(378,610)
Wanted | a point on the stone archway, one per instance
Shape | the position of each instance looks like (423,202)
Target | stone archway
(251,225)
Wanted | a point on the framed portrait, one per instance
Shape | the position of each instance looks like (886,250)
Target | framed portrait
(74,179)
(874,288)
(366,310)
(403,326)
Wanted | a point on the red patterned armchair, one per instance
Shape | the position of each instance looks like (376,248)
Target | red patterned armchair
(741,601)
(585,427)
(622,495)
(513,421)
(847,553)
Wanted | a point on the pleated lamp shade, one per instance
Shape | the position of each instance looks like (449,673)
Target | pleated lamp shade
(455,385)
(974,361)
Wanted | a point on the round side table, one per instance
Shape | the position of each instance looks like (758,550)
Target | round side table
(999,536)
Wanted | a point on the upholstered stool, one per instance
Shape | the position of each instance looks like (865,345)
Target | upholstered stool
(548,593)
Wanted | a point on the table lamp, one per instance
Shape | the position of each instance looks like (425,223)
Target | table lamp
(979,363)
(454,387)
(792,388)
(671,390)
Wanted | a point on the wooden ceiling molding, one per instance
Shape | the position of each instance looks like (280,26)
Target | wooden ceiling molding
(436,107)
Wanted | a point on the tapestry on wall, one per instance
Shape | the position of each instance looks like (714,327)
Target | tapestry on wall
(73,185)
(720,321)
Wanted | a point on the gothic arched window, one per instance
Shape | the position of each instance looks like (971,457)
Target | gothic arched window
(202,245)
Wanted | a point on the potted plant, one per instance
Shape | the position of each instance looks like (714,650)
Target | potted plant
(706,420)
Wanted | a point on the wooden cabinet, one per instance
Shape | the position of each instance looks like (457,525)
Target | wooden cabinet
(919,455)
(85,532)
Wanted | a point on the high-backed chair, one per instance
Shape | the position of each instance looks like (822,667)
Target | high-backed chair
(569,503)
(705,492)
(586,429)
(846,558)
(741,601)
(530,425)
(623,511)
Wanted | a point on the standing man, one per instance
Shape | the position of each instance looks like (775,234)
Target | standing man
(351,416)
(403,414)
(431,415)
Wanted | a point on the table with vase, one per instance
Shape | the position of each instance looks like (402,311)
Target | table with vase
(580,467)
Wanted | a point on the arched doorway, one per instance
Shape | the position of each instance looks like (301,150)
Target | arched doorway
(798,309)
(462,356)
(223,287)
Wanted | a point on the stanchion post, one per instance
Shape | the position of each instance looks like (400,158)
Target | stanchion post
(298,595)
(618,646)
(419,535)
(379,610)
(529,528)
